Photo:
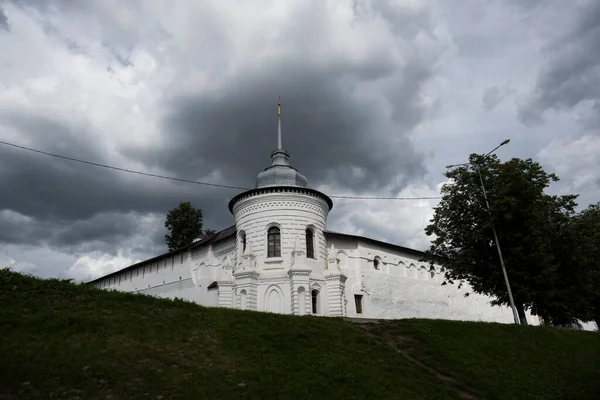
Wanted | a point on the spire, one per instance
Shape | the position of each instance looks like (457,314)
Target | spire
(280,173)
(279,147)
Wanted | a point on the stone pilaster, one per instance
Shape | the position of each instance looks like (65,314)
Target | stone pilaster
(336,285)
(225,294)
(246,278)
(225,283)
(299,274)
(248,281)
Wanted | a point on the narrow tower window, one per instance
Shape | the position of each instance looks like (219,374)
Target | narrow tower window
(310,246)
(315,301)
(274,242)
(243,240)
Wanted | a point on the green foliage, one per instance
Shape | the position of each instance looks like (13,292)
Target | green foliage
(184,224)
(66,340)
(585,261)
(531,226)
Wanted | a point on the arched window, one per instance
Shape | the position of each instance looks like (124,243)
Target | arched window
(274,242)
(310,245)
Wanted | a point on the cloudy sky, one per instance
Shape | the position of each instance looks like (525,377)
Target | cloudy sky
(378,96)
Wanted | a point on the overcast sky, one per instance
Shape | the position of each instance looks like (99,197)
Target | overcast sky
(378,96)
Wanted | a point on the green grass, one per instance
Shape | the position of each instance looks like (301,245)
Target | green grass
(60,340)
(499,361)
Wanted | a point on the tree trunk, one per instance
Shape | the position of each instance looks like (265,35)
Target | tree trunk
(521,312)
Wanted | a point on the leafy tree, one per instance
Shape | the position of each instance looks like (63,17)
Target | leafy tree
(184,224)
(530,224)
(585,270)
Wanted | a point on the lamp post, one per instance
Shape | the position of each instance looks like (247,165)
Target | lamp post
(487,205)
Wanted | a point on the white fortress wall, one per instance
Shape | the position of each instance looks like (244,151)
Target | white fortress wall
(403,287)
(185,274)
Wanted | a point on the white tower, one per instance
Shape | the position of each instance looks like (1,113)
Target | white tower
(281,213)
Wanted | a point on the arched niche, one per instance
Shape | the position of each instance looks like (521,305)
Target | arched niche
(342,259)
(413,272)
(423,274)
(274,299)
(316,299)
(196,272)
(401,270)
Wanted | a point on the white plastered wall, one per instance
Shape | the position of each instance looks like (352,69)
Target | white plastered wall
(404,287)
(185,275)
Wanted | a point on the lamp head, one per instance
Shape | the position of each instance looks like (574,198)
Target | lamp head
(457,165)
(505,142)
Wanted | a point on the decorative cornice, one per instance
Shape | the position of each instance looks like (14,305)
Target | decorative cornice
(299,271)
(336,277)
(280,189)
(266,205)
(246,274)
(281,279)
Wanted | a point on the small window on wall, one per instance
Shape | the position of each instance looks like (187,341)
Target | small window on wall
(376,263)
(274,242)
(310,243)
(358,303)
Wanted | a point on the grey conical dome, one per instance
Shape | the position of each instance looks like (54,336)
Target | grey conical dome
(280,173)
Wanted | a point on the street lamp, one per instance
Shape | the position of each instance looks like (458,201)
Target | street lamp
(487,204)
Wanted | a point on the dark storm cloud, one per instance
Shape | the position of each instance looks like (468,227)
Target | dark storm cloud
(104,229)
(68,202)
(17,229)
(107,227)
(335,137)
(328,133)
(71,203)
(571,73)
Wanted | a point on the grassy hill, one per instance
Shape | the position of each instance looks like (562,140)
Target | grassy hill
(60,340)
